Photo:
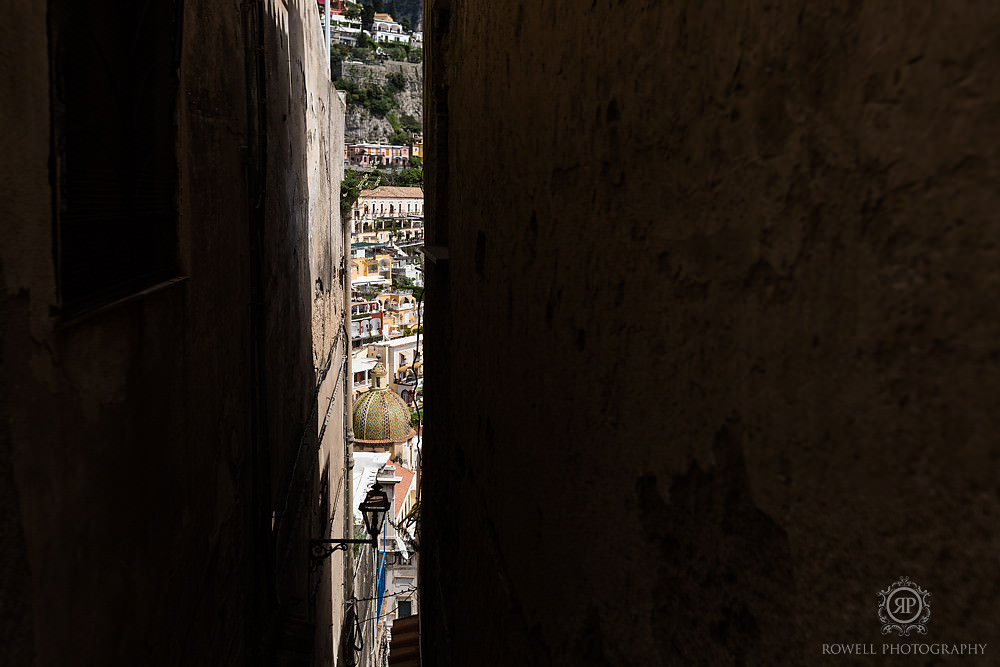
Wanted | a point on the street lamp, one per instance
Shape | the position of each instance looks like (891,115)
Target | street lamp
(373,510)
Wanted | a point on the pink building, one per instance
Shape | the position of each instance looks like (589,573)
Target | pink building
(378,154)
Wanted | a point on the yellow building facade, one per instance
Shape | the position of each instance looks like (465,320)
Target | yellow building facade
(400,312)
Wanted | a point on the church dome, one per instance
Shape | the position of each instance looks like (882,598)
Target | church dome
(380,416)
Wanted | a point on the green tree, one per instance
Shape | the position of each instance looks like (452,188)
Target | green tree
(410,177)
(367,17)
(392,10)
(417,163)
(361,53)
(352,185)
(405,22)
(416,55)
(393,50)
(411,123)
(339,53)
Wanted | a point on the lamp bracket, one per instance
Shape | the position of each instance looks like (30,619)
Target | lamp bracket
(320,550)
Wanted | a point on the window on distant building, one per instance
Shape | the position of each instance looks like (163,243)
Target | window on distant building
(114,73)
(405,609)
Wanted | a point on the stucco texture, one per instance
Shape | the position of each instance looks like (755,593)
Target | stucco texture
(736,266)
(146,447)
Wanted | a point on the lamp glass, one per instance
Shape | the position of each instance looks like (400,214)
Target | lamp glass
(373,509)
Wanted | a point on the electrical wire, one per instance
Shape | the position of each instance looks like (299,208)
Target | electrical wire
(387,595)
(279,515)
(372,618)
(319,443)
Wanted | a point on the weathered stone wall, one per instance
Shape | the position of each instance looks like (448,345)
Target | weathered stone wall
(362,125)
(147,449)
(745,350)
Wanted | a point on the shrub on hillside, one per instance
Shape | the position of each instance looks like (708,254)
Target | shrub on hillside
(397,80)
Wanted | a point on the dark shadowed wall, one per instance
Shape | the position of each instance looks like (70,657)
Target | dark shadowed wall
(712,331)
(159,454)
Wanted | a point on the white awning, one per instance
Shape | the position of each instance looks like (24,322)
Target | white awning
(401,545)
(361,364)
(366,467)
(370,280)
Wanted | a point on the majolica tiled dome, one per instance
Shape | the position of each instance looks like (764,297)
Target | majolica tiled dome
(380,415)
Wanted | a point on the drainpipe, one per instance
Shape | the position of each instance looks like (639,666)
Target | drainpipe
(326,12)
(348,421)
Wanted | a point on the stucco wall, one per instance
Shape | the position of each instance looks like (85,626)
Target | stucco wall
(145,449)
(741,264)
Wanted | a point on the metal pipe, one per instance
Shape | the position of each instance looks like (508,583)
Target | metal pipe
(348,405)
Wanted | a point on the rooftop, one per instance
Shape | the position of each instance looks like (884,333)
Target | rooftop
(399,342)
(402,487)
(394,191)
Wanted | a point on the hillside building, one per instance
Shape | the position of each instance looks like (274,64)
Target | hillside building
(378,264)
(401,560)
(384,29)
(386,212)
(380,155)
(401,354)
(344,30)
(367,322)
(400,313)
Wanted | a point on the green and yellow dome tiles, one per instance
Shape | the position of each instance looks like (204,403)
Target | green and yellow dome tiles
(380,416)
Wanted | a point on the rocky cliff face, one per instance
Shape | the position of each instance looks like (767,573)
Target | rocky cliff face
(361,124)
(411,9)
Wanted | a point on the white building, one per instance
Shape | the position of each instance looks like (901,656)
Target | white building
(388,201)
(411,268)
(384,29)
(367,318)
(344,30)
(388,211)
(398,354)
(401,562)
